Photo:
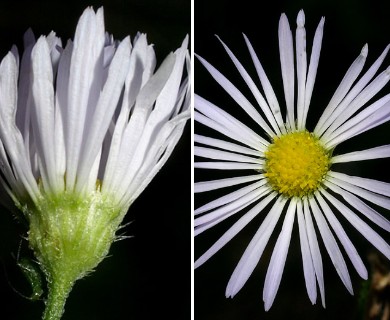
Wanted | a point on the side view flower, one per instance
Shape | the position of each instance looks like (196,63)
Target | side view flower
(290,169)
(84,128)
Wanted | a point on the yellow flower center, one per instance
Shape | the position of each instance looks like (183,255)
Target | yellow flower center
(296,163)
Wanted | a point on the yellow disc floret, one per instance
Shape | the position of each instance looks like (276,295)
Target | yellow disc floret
(296,163)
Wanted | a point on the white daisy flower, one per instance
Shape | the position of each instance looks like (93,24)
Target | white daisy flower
(84,128)
(291,169)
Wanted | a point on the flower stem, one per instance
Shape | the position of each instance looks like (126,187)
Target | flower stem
(55,303)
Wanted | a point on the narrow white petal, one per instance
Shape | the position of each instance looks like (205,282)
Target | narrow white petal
(84,88)
(236,129)
(231,133)
(222,155)
(313,66)
(314,250)
(230,205)
(348,80)
(158,154)
(278,258)
(154,162)
(368,154)
(344,239)
(362,207)
(263,191)
(331,246)
(237,96)
(255,249)
(7,172)
(160,132)
(341,115)
(43,117)
(61,105)
(221,144)
(269,92)
(9,133)
(373,116)
(229,197)
(104,111)
(373,237)
(223,183)
(301,67)
(365,194)
(307,260)
(286,50)
(227,165)
(127,131)
(255,91)
(380,187)
(234,230)
(359,86)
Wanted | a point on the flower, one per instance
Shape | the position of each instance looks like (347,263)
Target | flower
(292,170)
(83,130)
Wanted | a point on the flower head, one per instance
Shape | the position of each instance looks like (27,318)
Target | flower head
(84,128)
(292,170)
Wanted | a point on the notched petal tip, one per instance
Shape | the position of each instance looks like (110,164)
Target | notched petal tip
(364,51)
(301,19)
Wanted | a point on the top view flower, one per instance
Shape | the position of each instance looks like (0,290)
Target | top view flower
(84,128)
(286,172)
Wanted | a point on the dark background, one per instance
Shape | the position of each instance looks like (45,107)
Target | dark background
(348,26)
(146,276)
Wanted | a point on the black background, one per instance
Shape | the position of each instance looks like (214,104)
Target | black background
(148,275)
(348,26)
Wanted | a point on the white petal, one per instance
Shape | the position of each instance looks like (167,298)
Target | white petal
(234,230)
(314,250)
(9,133)
(61,105)
(313,66)
(84,86)
(221,144)
(232,132)
(157,155)
(103,112)
(229,197)
(286,50)
(223,155)
(236,95)
(227,165)
(278,258)
(344,239)
(368,154)
(255,91)
(308,268)
(230,205)
(217,119)
(255,249)
(127,132)
(371,117)
(269,92)
(43,117)
(331,246)
(362,207)
(361,226)
(223,183)
(341,115)
(365,194)
(348,80)
(369,184)
(263,191)
(301,67)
